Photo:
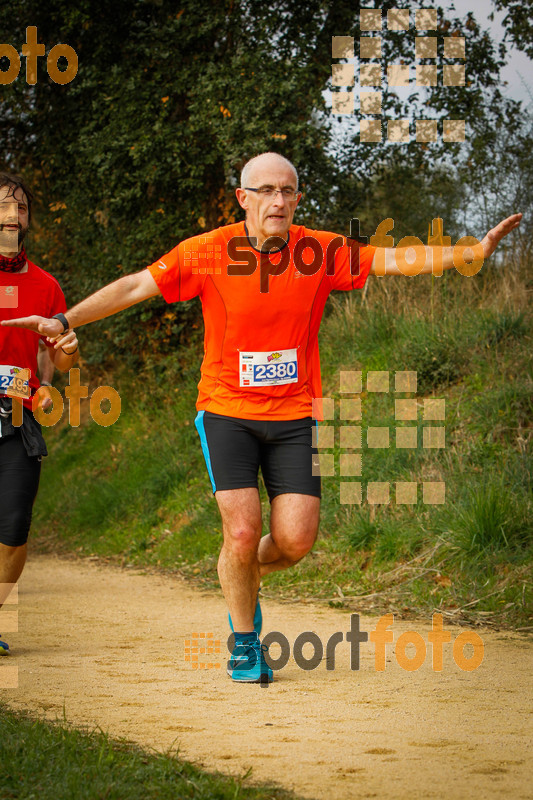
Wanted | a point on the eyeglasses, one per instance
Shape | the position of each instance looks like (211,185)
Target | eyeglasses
(269,192)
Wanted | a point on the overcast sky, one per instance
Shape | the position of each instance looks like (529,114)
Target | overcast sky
(519,69)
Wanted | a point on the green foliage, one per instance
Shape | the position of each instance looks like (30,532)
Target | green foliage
(504,412)
(437,355)
(123,475)
(364,533)
(380,532)
(518,23)
(489,520)
(143,148)
(409,190)
(505,325)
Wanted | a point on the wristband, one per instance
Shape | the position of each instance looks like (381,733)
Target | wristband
(45,383)
(63,320)
(70,354)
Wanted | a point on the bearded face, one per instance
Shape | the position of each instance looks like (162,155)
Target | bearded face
(23,230)
(14,194)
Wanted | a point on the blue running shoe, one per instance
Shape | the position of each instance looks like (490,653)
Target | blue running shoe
(258,618)
(4,649)
(247,663)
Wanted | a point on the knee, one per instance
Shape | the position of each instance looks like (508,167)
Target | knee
(297,546)
(14,534)
(12,552)
(243,541)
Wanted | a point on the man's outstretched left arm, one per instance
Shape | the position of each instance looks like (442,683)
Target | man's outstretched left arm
(421,259)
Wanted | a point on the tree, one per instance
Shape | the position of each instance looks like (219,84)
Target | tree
(144,147)
(518,22)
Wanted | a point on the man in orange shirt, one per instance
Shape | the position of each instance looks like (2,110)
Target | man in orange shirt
(263,284)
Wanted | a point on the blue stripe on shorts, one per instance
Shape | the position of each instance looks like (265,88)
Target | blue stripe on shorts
(199,422)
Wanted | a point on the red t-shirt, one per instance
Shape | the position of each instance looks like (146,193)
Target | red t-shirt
(23,294)
(262,313)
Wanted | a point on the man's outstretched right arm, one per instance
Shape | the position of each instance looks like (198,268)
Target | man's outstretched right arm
(116,296)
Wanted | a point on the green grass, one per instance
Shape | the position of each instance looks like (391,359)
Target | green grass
(505,325)
(51,761)
(487,522)
(138,492)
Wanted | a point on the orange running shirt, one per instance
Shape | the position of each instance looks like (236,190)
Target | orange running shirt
(261,313)
(22,294)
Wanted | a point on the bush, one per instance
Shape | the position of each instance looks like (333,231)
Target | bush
(438,357)
(489,520)
(505,326)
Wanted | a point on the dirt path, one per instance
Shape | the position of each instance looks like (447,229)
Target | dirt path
(108,647)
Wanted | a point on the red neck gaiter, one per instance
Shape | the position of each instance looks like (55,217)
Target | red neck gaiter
(13,264)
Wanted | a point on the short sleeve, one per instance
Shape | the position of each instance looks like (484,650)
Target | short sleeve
(177,273)
(353,263)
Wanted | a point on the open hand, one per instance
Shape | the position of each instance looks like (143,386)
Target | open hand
(494,236)
(47,327)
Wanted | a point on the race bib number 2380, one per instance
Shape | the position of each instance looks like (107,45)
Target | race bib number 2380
(272,368)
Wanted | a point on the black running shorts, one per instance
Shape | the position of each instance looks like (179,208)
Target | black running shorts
(234,449)
(19,481)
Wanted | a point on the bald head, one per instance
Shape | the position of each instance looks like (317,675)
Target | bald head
(264,163)
(269,195)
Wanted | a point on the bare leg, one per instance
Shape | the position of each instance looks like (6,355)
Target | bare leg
(293,531)
(238,567)
(12,560)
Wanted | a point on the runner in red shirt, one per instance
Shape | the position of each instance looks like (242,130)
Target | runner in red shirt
(263,285)
(24,289)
